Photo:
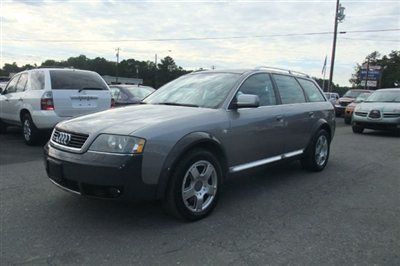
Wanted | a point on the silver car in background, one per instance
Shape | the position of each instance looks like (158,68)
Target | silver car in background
(187,137)
(381,111)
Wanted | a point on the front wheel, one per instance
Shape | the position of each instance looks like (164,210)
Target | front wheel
(194,187)
(317,154)
(29,130)
(357,129)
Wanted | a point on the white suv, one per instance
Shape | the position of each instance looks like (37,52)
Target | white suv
(40,98)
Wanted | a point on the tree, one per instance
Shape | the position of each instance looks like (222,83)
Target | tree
(166,71)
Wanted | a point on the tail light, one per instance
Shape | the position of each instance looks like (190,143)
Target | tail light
(112,103)
(46,102)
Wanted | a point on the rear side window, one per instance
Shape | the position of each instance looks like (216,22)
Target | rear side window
(289,89)
(76,80)
(260,85)
(312,91)
(37,80)
(22,82)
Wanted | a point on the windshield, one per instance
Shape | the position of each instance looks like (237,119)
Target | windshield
(207,90)
(140,92)
(362,97)
(385,96)
(352,94)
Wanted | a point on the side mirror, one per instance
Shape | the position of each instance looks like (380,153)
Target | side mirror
(246,101)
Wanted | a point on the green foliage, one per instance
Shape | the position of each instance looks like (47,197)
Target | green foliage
(166,71)
(390,65)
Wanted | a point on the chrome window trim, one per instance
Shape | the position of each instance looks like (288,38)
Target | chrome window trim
(253,164)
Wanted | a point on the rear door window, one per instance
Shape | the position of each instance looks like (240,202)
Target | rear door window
(311,90)
(22,82)
(289,89)
(76,80)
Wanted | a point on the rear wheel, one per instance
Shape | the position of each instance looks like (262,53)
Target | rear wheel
(29,130)
(357,129)
(317,154)
(194,187)
(3,127)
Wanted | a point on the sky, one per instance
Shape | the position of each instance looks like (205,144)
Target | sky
(33,31)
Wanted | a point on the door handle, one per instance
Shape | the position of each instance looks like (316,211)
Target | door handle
(20,99)
(7,100)
(311,114)
(279,118)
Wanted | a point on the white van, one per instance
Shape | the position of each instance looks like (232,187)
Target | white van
(38,99)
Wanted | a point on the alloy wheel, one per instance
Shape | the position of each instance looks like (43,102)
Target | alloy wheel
(199,186)
(321,150)
(27,130)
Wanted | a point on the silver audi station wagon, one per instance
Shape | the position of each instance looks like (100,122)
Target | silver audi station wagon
(186,138)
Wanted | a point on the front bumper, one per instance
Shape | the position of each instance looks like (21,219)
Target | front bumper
(377,124)
(98,175)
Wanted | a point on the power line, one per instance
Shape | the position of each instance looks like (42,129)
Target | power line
(372,40)
(200,38)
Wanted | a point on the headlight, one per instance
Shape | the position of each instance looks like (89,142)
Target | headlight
(118,144)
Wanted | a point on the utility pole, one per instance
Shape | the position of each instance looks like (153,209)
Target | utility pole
(155,71)
(366,77)
(116,76)
(339,17)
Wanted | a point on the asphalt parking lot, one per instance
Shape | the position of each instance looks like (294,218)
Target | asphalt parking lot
(347,214)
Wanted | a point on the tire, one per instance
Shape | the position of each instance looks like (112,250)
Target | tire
(357,129)
(29,131)
(347,120)
(190,175)
(397,132)
(3,127)
(317,153)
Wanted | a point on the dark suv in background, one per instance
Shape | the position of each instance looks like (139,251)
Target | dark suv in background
(190,135)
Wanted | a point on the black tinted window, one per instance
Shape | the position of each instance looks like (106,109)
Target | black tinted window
(260,85)
(312,91)
(22,82)
(75,80)
(289,89)
(37,80)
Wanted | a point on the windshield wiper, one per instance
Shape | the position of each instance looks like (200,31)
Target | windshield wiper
(179,104)
(91,89)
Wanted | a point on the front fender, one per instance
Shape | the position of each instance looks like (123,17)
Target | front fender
(181,147)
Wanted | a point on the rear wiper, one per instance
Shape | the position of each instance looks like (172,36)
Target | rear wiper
(91,89)
(179,104)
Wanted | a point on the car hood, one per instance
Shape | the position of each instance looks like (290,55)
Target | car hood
(127,120)
(382,106)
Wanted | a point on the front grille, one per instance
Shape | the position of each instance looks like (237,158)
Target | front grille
(363,114)
(374,114)
(76,140)
(391,115)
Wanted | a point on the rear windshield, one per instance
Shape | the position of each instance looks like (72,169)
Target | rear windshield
(352,94)
(76,80)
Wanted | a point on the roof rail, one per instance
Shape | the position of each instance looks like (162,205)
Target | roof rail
(292,72)
(61,67)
